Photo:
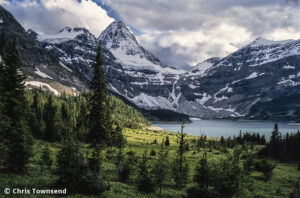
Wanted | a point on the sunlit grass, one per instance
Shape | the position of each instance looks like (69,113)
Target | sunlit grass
(281,183)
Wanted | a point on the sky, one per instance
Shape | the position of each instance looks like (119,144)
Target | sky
(180,33)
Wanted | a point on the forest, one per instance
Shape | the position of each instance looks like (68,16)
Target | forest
(95,145)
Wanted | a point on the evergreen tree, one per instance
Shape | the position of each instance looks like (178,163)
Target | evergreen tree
(275,143)
(266,168)
(131,160)
(180,167)
(65,125)
(71,166)
(99,118)
(167,142)
(226,179)
(51,120)
(97,181)
(4,121)
(46,159)
(117,137)
(161,168)
(37,125)
(144,180)
(202,173)
(82,121)
(15,108)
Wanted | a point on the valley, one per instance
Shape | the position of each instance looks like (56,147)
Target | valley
(100,115)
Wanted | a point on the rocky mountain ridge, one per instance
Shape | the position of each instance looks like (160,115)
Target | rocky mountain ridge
(248,82)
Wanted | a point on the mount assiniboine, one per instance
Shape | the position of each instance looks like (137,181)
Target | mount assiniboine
(260,80)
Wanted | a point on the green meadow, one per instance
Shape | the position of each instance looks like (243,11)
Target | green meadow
(281,184)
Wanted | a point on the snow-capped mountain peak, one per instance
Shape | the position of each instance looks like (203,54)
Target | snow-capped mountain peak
(263,41)
(115,33)
(118,39)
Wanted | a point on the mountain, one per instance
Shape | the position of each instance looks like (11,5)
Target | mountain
(262,72)
(255,81)
(215,88)
(118,39)
(75,48)
(38,62)
(202,67)
(131,71)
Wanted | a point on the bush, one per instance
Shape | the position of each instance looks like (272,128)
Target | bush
(144,180)
(195,192)
(248,165)
(167,142)
(265,167)
(124,171)
(152,153)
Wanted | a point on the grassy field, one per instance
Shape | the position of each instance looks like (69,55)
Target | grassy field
(281,184)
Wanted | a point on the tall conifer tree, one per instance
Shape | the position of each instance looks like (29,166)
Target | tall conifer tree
(19,139)
(180,167)
(99,119)
(4,124)
(50,118)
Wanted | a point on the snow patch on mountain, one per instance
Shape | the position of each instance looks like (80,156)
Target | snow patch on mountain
(42,85)
(288,67)
(41,74)
(253,75)
(262,41)
(118,39)
(151,102)
(202,67)
(64,66)
(63,35)
(204,99)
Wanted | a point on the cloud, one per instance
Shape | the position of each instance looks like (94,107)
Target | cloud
(187,32)
(292,2)
(49,16)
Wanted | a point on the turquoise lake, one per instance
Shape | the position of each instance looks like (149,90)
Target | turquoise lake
(226,128)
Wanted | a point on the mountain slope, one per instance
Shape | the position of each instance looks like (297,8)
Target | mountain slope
(254,80)
(38,62)
(227,87)
(118,39)
(259,72)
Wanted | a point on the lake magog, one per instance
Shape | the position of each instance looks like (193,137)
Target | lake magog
(226,128)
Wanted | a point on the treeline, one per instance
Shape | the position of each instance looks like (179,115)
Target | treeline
(223,144)
(126,115)
(283,148)
(164,115)
(243,138)
(49,114)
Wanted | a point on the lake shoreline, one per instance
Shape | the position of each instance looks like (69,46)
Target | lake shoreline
(229,128)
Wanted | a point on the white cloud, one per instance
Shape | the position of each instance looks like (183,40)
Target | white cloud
(187,32)
(49,16)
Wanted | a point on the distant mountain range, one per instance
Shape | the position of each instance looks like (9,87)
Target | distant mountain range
(260,80)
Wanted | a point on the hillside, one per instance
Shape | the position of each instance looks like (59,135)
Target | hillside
(121,113)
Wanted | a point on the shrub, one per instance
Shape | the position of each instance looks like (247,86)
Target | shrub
(124,171)
(265,167)
(152,153)
(195,192)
